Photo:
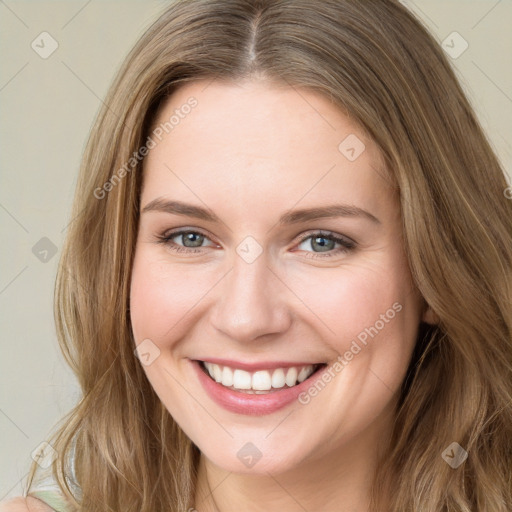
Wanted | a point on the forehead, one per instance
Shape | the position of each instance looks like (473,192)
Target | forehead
(254,143)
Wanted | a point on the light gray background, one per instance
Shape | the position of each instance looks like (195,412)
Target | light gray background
(46,109)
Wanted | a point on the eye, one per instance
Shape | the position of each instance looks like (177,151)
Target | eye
(323,244)
(192,241)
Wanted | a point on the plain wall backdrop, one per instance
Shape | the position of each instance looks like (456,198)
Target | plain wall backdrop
(47,105)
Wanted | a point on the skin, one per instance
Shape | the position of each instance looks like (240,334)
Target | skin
(250,151)
(24,505)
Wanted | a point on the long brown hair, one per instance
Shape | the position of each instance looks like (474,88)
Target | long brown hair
(383,69)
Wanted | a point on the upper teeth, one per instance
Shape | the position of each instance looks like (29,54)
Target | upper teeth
(261,380)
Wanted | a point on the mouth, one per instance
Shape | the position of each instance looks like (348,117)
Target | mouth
(261,381)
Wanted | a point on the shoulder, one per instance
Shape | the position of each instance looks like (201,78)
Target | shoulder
(24,505)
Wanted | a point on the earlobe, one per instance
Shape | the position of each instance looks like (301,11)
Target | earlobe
(430,317)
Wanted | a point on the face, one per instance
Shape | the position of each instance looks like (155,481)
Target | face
(271,298)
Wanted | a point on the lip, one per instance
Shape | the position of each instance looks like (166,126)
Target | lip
(251,404)
(253,367)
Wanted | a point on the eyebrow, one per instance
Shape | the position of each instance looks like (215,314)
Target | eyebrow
(290,217)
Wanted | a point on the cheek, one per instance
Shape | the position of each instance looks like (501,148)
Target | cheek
(345,301)
(163,296)
(369,314)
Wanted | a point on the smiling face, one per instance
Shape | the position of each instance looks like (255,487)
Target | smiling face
(228,272)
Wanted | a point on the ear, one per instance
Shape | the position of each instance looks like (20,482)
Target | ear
(429,316)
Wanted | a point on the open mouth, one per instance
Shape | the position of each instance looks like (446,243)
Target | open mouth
(260,381)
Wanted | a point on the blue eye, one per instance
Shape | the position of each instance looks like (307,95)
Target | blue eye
(194,238)
(325,242)
(322,243)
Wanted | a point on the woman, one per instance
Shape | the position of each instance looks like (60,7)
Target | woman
(287,284)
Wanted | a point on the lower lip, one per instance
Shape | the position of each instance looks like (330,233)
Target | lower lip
(250,404)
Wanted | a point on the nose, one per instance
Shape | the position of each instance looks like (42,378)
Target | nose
(251,302)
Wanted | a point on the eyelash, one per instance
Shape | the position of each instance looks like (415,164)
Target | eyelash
(346,243)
